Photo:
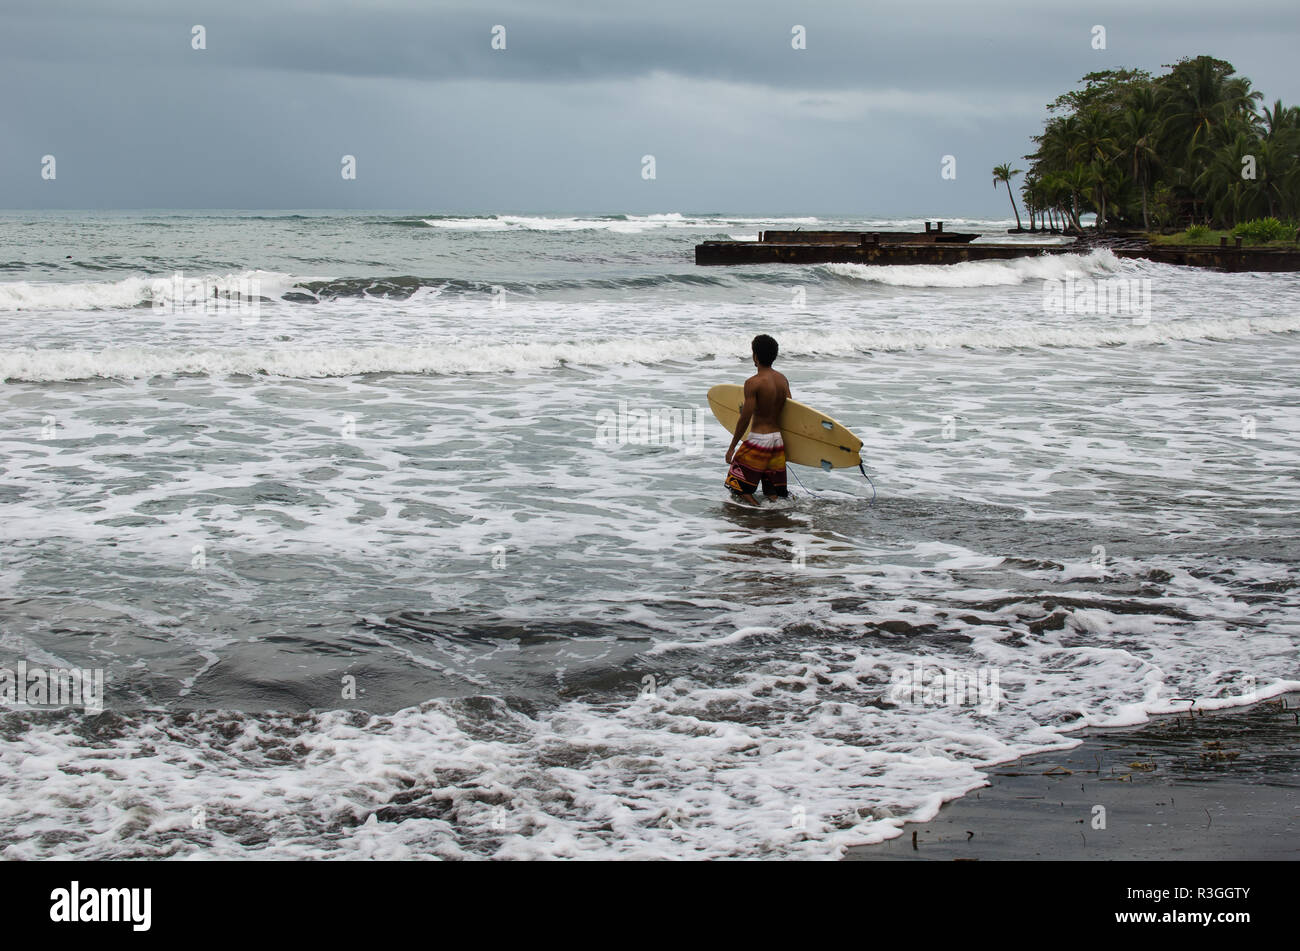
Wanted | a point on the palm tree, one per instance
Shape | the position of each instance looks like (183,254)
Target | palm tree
(1031,193)
(1094,147)
(1139,130)
(1094,138)
(1002,176)
(1231,198)
(1202,97)
(1076,182)
(1199,96)
(1055,143)
(1279,158)
(1107,185)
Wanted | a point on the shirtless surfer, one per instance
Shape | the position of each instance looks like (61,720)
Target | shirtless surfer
(761,457)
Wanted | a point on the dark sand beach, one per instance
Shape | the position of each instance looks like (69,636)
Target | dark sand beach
(1213,786)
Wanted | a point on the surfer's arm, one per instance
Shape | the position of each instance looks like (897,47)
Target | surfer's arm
(742,426)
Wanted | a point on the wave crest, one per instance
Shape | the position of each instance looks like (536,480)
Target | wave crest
(135,291)
(48,365)
(979,273)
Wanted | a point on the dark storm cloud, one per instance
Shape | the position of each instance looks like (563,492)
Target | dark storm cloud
(922,45)
(560,119)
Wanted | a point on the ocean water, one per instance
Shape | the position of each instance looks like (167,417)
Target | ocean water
(393,564)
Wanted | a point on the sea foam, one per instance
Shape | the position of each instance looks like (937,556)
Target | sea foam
(980,273)
(48,365)
(159,290)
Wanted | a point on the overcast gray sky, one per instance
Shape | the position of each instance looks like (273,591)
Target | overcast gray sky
(738,121)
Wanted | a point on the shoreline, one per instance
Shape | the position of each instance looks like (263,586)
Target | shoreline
(1219,785)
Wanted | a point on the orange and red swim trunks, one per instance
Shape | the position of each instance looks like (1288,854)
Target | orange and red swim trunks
(759,460)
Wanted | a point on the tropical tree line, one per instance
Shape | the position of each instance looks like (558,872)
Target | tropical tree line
(1191,147)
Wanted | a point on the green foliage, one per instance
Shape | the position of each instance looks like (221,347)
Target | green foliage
(1276,235)
(1191,146)
(1264,230)
(1196,234)
(1164,206)
(1103,89)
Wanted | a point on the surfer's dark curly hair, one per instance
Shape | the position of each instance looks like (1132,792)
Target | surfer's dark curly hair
(764,349)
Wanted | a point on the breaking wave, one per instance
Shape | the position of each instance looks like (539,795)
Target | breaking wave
(48,365)
(979,273)
(136,291)
(624,224)
(157,290)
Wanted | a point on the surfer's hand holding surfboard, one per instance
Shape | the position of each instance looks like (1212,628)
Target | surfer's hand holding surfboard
(811,438)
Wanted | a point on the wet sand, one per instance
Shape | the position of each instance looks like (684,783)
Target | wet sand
(1217,786)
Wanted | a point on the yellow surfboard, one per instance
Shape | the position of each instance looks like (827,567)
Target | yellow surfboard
(811,438)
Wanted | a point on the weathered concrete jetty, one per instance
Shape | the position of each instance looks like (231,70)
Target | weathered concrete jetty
(935,246)
(1225,257)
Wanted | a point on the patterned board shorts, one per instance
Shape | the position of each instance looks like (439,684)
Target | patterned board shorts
(759,459)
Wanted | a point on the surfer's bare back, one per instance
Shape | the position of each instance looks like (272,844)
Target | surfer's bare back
(761,457)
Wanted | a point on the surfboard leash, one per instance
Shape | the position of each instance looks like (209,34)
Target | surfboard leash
(800,481)
(861,468)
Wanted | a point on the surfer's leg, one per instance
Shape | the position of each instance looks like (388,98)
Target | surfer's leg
(742,481)
(741,490)
(774,474)
(774,484)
